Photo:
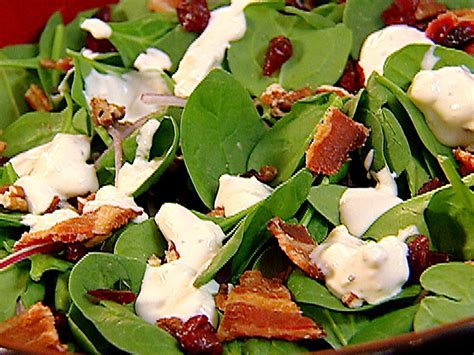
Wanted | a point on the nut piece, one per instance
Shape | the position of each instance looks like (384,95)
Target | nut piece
(37,99)
(351,300)
(3,146)
(13,198)
(281,101)
(105,113)
(63,64)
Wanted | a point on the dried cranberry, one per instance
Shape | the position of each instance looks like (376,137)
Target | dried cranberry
(400,12)
(438,29)
(198,337)
(353,78)
(193,15)
(420,257)
(122,297)
(101,45)
(104,14)
(279,51)
(431,185)
(460,35)
(74,251)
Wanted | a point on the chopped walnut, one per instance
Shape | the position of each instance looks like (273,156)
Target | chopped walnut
(14,198)
(266,174)
(351,300)
(62,64)
(171,254)
(37,99)
(105,113)
(154,261)
(281,101)
(54,204)
(3,146)
(217,212)
(81,202)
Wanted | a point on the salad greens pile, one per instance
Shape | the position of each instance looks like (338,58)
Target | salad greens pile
(220,131)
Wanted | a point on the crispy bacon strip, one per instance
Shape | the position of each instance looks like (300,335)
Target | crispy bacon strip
(196,335)
(89,228)
(261,307)
(32,332)
(466,161)
(297,244)
(335,137)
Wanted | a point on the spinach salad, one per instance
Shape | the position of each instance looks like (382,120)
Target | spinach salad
(150,163)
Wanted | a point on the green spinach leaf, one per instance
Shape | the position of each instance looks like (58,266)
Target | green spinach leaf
(13,281)
(262,346)
(325,199)
(175,43)
(40,263)
(34,292)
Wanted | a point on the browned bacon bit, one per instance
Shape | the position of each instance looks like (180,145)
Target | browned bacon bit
(278,52)
(431,185)
(31,332)
(261,307)
(281,101)
(37,99)
(353,78)
(412,12)
(453,29)
(420,257)
(105,113)
(63,64)
(221,297)
(466,161)
(266,174)
(119,296)
(87,228)
(217,212)
(307,5)
(14,198)
(162,5)
(101,45)
(196,335)
(193,15)
(297,244)
(335,137)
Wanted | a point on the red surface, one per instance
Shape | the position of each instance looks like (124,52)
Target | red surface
(23,20)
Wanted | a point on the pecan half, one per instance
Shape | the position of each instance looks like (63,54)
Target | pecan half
(37,99)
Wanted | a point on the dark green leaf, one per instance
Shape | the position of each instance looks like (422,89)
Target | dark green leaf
(13,282)
(175,43)
(34,292)
(325,199)
(263,347)
(62,298)
(40,263)
(11,219)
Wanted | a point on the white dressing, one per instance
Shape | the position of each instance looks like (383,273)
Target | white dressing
(153,59)
(446,98)
(97,28)
(58,168)
(168,290)
(359,207)
(48,220)
(381,44)
(226,24)
(132,176)
(374,272)
(237,193)
(126,90)
(429,59)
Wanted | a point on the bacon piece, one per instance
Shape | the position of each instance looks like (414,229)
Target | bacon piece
(261,307)
(105,113)
(335,137)
(119,296)
(266,174)
(281,101)
(37,99)
(297,244)
(196,335)
(420,257)
(89,228)
(466,161)
(62,64)
(32,332)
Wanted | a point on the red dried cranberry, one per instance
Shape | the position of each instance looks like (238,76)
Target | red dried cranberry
(74,251)
(400,12)
(104,14)
(438,29)
(460,35)
(198,337)
(279,51)
(431,185)
(193,15)
(101,45)
(420,257)
(353,78)
(122,297)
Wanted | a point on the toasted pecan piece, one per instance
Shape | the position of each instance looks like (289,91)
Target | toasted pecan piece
(260,307)
(105,113)
(280,100)
(32,331)
(37,99)
(297,244)
(13,198)
(63,64)
(335,137)
(89,228)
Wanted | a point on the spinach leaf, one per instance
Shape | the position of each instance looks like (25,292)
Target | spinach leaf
(262,346)
(316,224)
(363,17)
(220,126)
(62,298)
(11,219)
(407,213)
(319,56)
(458,4)
(34,292)
(391,324)
(74,36)
(40,263)
(175,43)
(272,262)
(453,285)
(246,237)
(285,144)
(313,19)
(140,241)
(13,281)
(307,290)
(134,37)
(117,323)
(402,66)
(325,199)
(331,11)
(339,326)
(130,10)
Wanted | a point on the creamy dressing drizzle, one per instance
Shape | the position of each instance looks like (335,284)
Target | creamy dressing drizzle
(48,220)
(429,60)
(207,51)
(153,59)
(167,290)
(237,193)
(97,28)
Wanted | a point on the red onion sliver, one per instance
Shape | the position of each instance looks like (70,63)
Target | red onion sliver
(27,252)
(162,100)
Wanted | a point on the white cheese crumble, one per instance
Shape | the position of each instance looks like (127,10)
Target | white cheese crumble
(381,44)
(126,90)
(226,24)
(167,290)
(237,193)
(58,168)
(359,207)
(153,59)
(97,28)
(446,98)
(374,272)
